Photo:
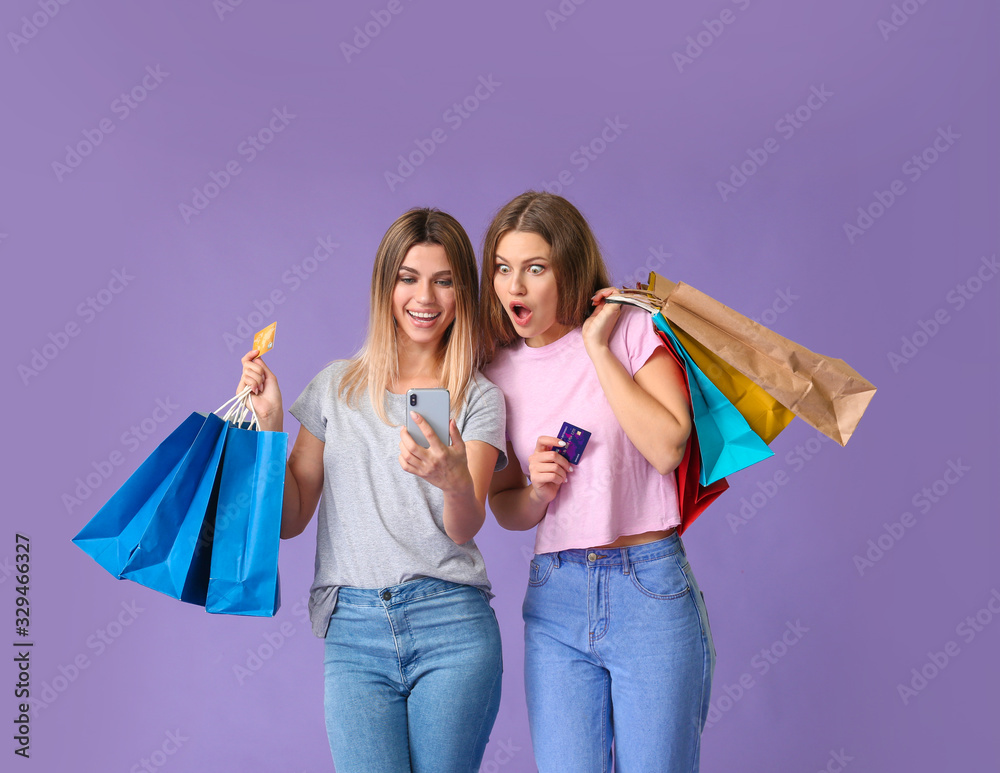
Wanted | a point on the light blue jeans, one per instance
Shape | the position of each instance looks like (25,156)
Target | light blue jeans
(617,647)
(413,676)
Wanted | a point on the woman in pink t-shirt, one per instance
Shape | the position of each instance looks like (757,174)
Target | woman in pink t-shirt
(617,642)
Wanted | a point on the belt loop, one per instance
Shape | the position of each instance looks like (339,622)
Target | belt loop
(555,559)
(625,564)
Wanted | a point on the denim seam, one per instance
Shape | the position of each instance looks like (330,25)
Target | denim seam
(496,680)
(395,643)
(544,578)
(459,586)
(605,721)
(658,596)
(409,630)
(706,660)
(593,638)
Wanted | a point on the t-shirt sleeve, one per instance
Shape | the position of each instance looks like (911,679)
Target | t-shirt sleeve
(639,337)
(486,418)
(308,407)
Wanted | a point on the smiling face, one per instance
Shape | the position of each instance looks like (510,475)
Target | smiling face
(526,285)
(423,298)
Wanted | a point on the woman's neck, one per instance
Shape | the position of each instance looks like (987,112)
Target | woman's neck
(418,367)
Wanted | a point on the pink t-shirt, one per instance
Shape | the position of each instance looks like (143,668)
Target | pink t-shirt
(614,490)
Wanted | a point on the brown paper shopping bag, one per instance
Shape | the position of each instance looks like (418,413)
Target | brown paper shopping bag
(825,392)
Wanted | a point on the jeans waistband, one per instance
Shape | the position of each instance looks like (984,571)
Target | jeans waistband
(622,556)
(391,595)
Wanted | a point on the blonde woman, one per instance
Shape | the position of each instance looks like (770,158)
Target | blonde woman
(412,654)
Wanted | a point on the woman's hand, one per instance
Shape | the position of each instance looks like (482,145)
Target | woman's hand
(266,394)
(547,469)
(598,326)
(446,467)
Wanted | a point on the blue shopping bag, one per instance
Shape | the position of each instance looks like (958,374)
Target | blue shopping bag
(113,533)
(244,569)
(725,439)
(171,556)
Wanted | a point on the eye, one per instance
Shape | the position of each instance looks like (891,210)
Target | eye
(444,282)
(531,269)
(503,269)
(407,280)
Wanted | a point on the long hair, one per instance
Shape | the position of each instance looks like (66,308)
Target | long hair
(376,365)
(575,257)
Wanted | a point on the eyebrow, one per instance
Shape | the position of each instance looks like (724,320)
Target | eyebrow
(536,259)
(445,272)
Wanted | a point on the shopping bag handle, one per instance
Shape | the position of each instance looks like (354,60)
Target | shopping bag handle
(238,410)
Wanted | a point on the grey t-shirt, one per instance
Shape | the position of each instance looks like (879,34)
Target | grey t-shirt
(378,524)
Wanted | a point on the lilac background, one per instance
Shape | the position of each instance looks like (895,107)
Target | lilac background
(653,190)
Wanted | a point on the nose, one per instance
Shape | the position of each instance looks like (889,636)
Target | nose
(516,284)
(425,293)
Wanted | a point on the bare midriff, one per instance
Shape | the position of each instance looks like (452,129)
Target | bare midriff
(629,540)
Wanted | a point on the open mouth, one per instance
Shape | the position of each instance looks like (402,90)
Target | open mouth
(423,318)
(521,313)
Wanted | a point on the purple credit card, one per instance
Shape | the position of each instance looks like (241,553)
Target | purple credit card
(576,440)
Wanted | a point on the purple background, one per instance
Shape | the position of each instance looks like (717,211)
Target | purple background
(555,85)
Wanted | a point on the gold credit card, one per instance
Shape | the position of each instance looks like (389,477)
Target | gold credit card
(263,342)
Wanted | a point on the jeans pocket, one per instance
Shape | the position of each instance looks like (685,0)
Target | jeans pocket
(660,578)
(539,570)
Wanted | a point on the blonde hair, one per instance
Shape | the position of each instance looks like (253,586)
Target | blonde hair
(376,365)
(576,262)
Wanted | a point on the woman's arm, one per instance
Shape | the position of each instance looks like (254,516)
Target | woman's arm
(518,505)
(462,471)
(465,510)
(304,468)
(303,483)
(651,408)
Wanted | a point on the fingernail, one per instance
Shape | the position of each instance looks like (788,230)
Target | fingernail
(562,442)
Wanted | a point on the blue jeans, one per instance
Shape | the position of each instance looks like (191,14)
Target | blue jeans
(617,647)
(413,677)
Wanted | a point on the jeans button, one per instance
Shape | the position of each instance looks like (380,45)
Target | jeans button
(592,557)
(386,595)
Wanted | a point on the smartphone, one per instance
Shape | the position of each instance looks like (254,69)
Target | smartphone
(435,406)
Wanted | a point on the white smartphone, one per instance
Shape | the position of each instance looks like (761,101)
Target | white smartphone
(435,407)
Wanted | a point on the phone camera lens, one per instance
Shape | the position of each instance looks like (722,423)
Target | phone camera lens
(413,399)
